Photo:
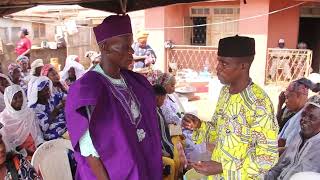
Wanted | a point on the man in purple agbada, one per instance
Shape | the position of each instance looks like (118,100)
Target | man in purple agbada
(111,113)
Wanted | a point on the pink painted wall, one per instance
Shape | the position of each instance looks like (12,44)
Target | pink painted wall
(256,28)
(257,25)
(175,15)
(284,24)
(154,18)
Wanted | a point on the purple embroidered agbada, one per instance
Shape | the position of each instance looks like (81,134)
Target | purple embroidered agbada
(112,133)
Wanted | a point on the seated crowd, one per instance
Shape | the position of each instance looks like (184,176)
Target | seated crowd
(242,143)
(32,112)
(32,106)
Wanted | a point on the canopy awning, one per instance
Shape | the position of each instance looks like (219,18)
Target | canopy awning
(115,6)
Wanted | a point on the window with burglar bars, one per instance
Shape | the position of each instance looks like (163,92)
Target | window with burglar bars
(222,22)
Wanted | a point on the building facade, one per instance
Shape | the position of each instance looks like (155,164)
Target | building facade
(265,20)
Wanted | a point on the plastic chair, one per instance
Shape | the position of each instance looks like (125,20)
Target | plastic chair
(306,176)
(193,175)
(51,160)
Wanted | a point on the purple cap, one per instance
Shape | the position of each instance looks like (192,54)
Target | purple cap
(114,25)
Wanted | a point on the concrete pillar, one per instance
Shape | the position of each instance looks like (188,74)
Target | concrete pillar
(258,29)
(155,18)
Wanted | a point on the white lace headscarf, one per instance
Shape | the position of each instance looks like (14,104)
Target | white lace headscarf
(18,125)
(78,68)
(35,64)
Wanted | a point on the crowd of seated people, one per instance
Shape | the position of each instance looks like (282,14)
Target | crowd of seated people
(32,106)
(32,111)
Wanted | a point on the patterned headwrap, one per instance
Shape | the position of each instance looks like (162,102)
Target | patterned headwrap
(22,59)
(299,86)
(43,84)
(45,70)
(13,67)
(35,86)
(142,34)
(314,100)
(164,79)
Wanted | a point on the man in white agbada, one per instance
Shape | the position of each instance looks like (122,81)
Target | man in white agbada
(19,121)
(295,96)
(303,153)
(4,83)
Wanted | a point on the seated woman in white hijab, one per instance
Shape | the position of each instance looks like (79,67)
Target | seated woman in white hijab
(21,130)
(36,67)
(71,72)
(49,108)
(4,83)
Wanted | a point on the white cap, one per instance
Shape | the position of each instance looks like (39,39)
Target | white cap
(281,41)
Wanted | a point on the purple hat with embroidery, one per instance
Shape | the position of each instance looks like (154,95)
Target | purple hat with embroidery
(114,25)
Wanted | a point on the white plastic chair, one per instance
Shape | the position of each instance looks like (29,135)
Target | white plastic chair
(51,160)
(306,176)
(193,175)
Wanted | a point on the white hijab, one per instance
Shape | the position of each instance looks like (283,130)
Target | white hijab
(18,125)
(35,64)
(78,68)
(33,88)
(2,104)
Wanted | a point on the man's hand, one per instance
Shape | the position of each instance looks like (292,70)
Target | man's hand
(208,168)
(282,98)
(191,122)
(54,113)
(97,168)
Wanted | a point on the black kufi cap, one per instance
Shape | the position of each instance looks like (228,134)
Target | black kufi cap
(236,46)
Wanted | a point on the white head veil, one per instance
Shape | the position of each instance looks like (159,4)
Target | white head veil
(37,85)
(35,64)
(18,125)
(2,105)
(78,68)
